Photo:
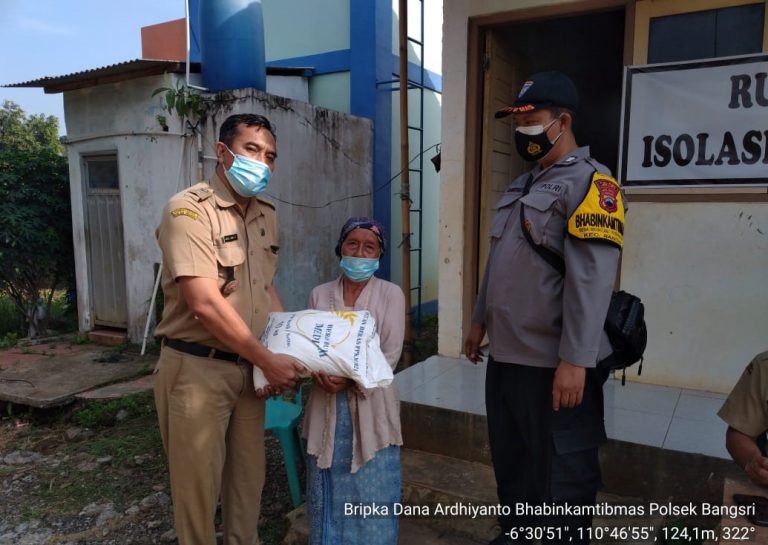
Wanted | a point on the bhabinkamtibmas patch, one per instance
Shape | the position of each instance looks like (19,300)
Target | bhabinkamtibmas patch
(600,216)
(185,212)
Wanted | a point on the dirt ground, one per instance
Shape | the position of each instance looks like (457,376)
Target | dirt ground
(94,473)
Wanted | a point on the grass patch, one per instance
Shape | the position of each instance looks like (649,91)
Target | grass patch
(94,414)
(66,488)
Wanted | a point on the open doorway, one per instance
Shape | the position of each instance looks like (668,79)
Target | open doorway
(589,48)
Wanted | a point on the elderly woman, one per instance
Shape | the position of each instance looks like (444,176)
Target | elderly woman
(353,435)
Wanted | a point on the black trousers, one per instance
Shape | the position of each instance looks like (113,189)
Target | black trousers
(541,456)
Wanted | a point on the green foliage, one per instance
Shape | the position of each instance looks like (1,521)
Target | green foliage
(8,340)
(96,414)
(185,104)
(35,218)
(9,318)
(30,133)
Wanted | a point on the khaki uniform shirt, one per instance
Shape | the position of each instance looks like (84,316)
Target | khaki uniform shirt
(204,234)
(533,315)
(746,408)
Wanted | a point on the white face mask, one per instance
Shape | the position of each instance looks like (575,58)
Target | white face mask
(534,130)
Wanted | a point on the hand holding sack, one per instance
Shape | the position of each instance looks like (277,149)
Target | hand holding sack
(339,343)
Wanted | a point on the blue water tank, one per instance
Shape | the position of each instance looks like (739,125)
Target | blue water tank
(232,44)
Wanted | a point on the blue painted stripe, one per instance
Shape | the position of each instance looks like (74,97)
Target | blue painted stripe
(370,40)
(321,63)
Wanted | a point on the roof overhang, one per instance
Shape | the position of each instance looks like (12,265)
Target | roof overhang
(107,74)
(128,70)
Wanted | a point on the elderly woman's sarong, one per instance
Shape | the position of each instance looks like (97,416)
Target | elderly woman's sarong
(331,491)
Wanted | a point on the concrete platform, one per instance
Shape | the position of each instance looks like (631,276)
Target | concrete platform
(43,376)
(120,389)
(664,443)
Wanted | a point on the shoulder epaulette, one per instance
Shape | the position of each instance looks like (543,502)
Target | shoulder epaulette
(266,201)
(598,166)
(200,191)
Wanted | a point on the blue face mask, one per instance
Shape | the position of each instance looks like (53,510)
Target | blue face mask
(358,269)
(247,176)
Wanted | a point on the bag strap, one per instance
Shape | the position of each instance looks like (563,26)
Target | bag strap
(557,262)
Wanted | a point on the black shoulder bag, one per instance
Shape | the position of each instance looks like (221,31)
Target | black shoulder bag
(625,321)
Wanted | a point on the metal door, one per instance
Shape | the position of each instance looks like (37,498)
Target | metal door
(104,239)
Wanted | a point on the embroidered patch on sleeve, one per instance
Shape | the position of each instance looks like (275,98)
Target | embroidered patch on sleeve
(600,216)
(185,212)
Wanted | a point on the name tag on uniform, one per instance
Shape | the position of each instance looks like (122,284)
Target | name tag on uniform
(230,238)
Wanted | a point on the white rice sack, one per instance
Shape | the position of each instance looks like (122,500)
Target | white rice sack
(340,343)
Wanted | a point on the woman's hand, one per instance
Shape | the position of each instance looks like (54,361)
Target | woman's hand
(330,383)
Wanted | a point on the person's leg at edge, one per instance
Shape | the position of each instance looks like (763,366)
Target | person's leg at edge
(193,406)
(244,468)
(518,407)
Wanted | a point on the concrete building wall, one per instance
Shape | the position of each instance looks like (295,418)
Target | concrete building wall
(433,33)
(323,155)
(428,201)
(330,91)
(699,266)
(701,271)
(297,28)
(353,57)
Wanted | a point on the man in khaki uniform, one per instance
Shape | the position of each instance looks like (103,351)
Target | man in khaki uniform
(746,413)
(219,243)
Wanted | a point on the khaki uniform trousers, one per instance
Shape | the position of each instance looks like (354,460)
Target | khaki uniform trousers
(212,425)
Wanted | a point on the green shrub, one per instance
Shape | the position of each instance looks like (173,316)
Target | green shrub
(9,318)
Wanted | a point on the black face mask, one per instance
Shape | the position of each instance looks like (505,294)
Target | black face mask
(532,143)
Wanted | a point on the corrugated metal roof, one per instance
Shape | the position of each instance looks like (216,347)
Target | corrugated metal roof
(106,74)
(129,70)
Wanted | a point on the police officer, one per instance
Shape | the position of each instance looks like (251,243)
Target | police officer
(219,243)
(543,392)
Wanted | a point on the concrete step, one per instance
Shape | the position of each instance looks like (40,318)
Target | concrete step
(108,337)
(441,483)
(629,469)
(439,493)
(411,532)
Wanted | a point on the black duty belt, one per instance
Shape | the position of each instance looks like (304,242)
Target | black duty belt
(200,350)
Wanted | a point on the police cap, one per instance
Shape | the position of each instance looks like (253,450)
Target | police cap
(543,90)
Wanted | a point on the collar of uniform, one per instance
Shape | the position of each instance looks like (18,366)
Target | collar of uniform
(223,196)
(570,159)
(573,157)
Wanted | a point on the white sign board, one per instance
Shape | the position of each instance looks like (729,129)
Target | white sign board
(696,123)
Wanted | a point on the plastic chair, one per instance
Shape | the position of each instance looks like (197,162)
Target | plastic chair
(281,419)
